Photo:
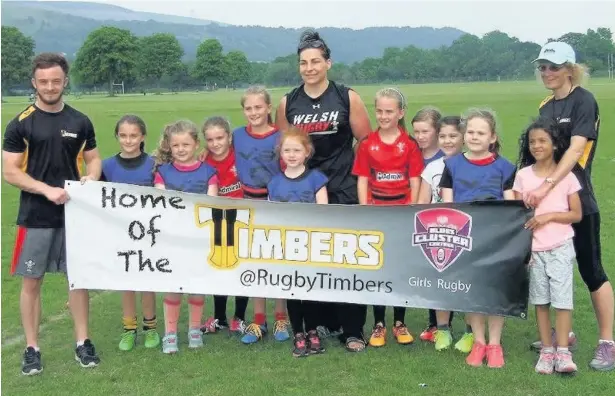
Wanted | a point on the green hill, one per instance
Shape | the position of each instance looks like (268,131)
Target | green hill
(63,26)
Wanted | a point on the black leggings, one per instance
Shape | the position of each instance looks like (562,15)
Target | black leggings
(434,322)
(589,256)
(351,317)
(241,304)
(303,315)
(399,314)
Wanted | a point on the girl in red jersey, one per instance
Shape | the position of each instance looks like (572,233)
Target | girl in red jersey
(220,155)
(389,165)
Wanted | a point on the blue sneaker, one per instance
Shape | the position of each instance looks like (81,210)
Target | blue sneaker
(280,330)
(254,333)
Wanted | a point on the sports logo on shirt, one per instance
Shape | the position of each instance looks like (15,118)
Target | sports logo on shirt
(225,190)
(443,234)
(324,123)
(234,239)
(66,133)
(389,176)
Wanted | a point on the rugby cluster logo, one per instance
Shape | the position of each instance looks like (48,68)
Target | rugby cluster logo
(443,234)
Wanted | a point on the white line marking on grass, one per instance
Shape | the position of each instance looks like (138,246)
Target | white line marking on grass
(9,342)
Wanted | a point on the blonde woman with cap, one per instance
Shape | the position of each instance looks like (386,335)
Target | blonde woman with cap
(576,113)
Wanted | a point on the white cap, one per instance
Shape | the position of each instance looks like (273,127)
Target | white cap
(557,52)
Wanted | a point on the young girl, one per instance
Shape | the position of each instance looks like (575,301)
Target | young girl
(425,128)
(551,273)
(476,175)
(299,184)
(450,141)
(133,166)
(389,166)
(178,169)
(220,155)
(257,162)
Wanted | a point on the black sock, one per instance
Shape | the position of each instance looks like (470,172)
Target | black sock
(443,327)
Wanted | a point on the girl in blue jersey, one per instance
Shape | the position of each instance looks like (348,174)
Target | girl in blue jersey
(299,184)
(476,175)
(257,162)
(178,169)
(133,166)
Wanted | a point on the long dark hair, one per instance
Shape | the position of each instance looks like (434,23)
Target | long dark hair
(311,39)
(550,127)
(132,119)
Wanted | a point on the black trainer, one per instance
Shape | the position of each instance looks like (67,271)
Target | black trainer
(86,355)
(31,364)
(300,346)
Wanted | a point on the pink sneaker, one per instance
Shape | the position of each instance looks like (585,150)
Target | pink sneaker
(564,363)
(546,362)
(210,326)
(477,355)
(495,356)
(237,326)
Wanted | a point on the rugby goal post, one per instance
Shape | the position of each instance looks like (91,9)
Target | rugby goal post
(118,85)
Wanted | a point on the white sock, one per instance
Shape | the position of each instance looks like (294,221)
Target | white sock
(562,349)
(548,349)
(606,342)
(79,343)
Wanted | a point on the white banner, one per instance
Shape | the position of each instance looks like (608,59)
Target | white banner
(124,237)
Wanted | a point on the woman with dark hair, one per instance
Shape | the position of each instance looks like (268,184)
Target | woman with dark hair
(576,113)
(333,116)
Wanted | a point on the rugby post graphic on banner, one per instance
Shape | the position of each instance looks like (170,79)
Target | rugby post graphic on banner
(462,257)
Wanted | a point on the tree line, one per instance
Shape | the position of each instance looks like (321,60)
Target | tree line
(112,55)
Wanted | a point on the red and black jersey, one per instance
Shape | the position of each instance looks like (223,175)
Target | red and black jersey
(388,167)
(326,119)
(228,181)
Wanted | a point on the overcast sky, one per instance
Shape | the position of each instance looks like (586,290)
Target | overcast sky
(528,20)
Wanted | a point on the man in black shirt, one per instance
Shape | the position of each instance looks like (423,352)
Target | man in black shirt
(576,112)
(44,146)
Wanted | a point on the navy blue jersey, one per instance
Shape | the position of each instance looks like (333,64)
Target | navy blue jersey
(191,180)
(472,181)
(301,189)
(256,160)
(137,171)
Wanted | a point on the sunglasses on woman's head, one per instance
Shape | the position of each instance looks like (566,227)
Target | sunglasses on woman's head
(551,67)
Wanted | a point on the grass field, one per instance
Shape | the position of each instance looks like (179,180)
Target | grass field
(224,366)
